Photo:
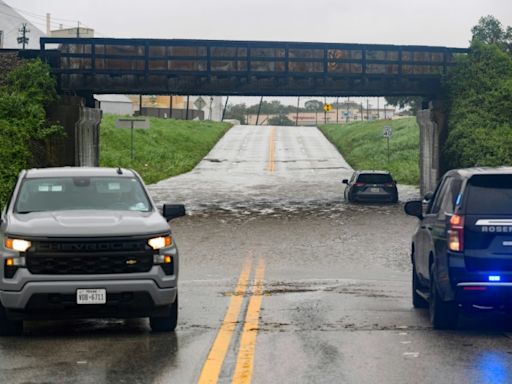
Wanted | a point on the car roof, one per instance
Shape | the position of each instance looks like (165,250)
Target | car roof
(470,172)
(78,171)
(373,172)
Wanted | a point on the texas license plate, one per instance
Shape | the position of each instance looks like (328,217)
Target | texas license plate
(376,190)
(91,296)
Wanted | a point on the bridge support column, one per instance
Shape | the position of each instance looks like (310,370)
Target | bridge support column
(432,123)
(80,147)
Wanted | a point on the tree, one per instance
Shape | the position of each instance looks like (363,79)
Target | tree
(29,89)
(280,119)
(413,102)
(237,112)
(480,109)
(489,30)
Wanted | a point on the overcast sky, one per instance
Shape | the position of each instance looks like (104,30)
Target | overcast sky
(432,22)
(412,22)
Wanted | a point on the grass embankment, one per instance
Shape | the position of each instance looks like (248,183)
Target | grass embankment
(167,148)
(363,146)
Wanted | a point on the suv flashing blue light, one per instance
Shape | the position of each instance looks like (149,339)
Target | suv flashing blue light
(494,278)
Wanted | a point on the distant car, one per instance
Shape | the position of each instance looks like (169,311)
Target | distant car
(461,251)
(371,186)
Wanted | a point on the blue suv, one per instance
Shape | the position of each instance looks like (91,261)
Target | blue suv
(462,248)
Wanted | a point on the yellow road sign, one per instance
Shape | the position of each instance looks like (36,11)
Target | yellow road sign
(327,107)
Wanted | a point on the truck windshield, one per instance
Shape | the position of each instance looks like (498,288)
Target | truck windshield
(489,195)
(72,193)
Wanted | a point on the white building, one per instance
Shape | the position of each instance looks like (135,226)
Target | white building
(10,24)
(115,104)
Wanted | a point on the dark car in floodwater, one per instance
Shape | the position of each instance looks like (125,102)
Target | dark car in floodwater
(371,187)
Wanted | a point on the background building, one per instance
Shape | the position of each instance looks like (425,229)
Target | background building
(11,22)
(115,104)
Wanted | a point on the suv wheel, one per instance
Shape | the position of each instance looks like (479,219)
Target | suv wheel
(9,327)
(167,323)
(417,300)
(443,314)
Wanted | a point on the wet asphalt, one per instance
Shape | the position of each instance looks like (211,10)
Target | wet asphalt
(335,293)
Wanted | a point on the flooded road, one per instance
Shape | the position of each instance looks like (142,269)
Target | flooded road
(281,281)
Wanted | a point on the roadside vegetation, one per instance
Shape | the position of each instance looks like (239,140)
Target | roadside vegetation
(24,94)
(168,148)
(480,101)
(363,146)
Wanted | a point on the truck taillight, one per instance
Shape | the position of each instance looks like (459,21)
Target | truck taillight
(456,234)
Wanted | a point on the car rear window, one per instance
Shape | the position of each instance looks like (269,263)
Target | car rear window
(370,178)
(489,195)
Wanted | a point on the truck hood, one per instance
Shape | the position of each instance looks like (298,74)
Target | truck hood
(88,223)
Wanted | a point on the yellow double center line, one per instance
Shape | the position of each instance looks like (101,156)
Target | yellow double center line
(271,163)
(244,366)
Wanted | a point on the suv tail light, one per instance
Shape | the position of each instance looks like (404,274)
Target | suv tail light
(389,185)
(359,184)
(456,234)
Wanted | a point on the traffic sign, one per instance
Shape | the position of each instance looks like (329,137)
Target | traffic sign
(388,131)
(200,103)
(327,107)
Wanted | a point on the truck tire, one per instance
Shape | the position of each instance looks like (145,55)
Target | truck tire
(443,314)
(9,327)
(417,300)
(166,323)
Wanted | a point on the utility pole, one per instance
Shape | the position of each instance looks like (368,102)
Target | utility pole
(367,108)
(78,31)
(378,108)
(348,106)
(297,114)
(259,110)
(337,109)
(23,39)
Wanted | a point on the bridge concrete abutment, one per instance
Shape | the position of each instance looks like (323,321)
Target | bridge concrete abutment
(432,124)
(80,146)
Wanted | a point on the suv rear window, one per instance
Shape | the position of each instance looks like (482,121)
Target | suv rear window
(489,195)
(376,178)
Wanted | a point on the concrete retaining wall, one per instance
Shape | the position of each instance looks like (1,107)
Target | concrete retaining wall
(429,151)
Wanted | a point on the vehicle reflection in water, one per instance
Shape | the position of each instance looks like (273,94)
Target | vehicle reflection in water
(493,368)
(103,351)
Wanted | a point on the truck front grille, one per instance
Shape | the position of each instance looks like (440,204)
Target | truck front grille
(89,257)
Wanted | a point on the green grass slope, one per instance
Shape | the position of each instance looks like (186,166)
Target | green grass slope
(363,146)
(167,148)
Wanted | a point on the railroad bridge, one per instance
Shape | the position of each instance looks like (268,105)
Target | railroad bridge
(250,68)
(87,66)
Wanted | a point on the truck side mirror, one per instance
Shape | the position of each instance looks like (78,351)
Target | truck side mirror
(344,181)
(414,208)
(173,211)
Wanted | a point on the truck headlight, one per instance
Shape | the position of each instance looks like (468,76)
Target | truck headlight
(18,245)
(160,242)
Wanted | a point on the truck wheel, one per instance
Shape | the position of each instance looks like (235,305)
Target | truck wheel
(9,327)
(167,323)
(417,300)
(443,314)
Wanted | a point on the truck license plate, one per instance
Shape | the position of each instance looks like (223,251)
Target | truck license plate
(91,296)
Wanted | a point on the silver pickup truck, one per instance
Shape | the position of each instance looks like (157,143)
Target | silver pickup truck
(86,243)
